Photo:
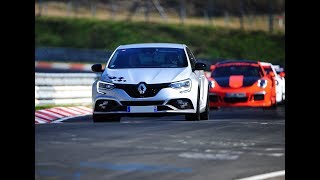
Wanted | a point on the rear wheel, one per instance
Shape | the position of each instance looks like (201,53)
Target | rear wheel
(283,98)
(205,114)
(214,108)
(105,118)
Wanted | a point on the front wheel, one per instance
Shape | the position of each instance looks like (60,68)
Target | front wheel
(195,116)
(272,107)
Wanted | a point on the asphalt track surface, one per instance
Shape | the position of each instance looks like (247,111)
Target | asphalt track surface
(235,143)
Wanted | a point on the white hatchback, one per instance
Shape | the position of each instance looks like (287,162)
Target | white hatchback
(150,79)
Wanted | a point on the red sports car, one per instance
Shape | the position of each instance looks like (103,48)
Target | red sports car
(236,83)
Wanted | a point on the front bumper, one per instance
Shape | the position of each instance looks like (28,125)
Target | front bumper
(167,101)
(240,99)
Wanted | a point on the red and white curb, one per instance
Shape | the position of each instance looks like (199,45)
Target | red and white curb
(58,114)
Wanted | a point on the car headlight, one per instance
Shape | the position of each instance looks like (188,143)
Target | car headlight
(102,87)
(212,84)
(262,83)
(184,85)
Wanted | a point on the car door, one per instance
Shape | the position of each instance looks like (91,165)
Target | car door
(199,75)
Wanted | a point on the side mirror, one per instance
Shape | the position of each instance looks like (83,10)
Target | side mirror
(97,68)
(282,74)
(212,67)
(200,66)
(271,74)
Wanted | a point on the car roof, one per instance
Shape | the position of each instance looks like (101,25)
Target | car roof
(236,61)
(142,45)
(266,64)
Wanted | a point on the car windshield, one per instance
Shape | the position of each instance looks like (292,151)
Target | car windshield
(267,69)
(148,58)
(245,70)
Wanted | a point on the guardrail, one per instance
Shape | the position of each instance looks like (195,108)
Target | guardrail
(64,54)
(63,88)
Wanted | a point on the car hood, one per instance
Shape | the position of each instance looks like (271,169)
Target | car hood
(227,81)
(147,75)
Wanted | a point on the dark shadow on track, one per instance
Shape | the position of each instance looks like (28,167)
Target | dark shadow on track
(220,114)
(249,113)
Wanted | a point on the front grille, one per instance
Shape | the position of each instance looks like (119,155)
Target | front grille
(235,100)
(132,89)
(213,98)
(258,97)
(141,103)
(163,108)
(111,106)
(120,108)
(187,103)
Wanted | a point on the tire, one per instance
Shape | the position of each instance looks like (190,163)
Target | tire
(194,116)
(97,118)
(205,114)
(283,99)
(272,107)
(214,108)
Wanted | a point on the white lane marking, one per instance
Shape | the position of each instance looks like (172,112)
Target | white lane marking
(66,118)
(268,154)
(208,156)
(132,121)
(276,154)
(183,141)
(265,176)
(274,149)
(280,123)
(230,143)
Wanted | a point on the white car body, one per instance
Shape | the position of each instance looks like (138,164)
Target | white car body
(280,82)
(148,85)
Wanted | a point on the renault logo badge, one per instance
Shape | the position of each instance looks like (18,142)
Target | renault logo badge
(142,88)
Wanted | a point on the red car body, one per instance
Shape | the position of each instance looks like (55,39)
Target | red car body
(241,83)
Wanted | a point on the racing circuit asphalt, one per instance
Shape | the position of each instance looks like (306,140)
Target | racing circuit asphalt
(233,144)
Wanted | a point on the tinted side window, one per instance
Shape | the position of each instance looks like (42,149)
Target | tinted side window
(191,58)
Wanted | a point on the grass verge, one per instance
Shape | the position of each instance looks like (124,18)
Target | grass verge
(207,42)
